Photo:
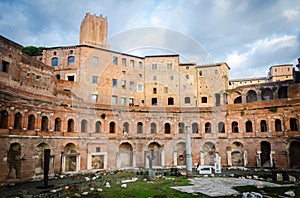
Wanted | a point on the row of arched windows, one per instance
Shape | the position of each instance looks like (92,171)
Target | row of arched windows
(139,127)
(266,94)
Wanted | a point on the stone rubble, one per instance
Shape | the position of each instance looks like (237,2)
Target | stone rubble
(215,187)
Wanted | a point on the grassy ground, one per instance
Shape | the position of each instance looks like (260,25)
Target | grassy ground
(160,188)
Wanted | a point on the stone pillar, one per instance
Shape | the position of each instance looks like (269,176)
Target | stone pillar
(175,158)
(218,163)
(133,159)
(229,159)
(162,156)
(245,158)
(119,160)
(188,151)
(271,158)
(77,163)
(258,159)
(201,158)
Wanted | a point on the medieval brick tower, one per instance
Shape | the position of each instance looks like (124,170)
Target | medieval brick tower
(93,31)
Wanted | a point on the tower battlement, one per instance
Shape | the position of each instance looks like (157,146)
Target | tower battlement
(93,31)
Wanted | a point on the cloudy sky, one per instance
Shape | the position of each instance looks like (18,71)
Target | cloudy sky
(250,35)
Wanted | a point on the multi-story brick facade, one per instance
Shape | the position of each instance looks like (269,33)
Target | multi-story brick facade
(100,109)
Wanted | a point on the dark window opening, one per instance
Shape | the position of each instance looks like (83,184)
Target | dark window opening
(195,128)
(263,126)
(139,127)
(221,127)
(170,101)
(154,101)
(235,127)
(167,128)
(5,66)
(207,127)
(181,127)
(238,100)
(249,126)
(278,125)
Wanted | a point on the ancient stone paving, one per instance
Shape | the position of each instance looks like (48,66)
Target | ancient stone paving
(214,187)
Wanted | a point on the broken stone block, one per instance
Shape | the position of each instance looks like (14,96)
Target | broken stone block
(290,193)
(85,193)
(260,185)
(292,178)
(279,177)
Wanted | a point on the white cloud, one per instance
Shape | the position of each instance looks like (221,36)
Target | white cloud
(291,14)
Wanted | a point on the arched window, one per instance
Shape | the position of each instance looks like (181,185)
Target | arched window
(167,128)
(44,124)
(98,127)
(187,100)
(251,96)
(170,101)
(266,94)
(181,127)
(3,120)
(278,125)
(57,77)
(70,125)
(153,128)
(18,121)
(125,127)
(293,124)
(263,126)
(282,92)
(71,60)
(139,127)
(221,127)
(83,126)
(238,100)
(207,127)
(195,127)
(57,124)
(31,121)
(112,127)
(249,126)
(54,61)
(235,127)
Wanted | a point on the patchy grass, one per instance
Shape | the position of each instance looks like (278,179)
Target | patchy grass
(270,191)
(159,188)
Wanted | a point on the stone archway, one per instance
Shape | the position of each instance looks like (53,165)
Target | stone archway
(208,154)
(265,154)
(125,157)
(237,154)
(39,161)
(14,161)
(70,158)
(294,154)
(180,150)
(157,151)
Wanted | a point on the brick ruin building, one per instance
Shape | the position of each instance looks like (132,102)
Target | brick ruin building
(100,109)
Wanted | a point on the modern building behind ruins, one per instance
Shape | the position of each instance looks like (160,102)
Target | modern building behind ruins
(101,109)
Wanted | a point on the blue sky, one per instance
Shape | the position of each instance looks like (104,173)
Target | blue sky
(250,35)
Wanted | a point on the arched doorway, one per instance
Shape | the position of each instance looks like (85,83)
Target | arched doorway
(14,161)
(125,155)
(208,154)
(39,159)
(155,149)
(265,154)
(180,150)
(237,154)
(70,162)
(294,154)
